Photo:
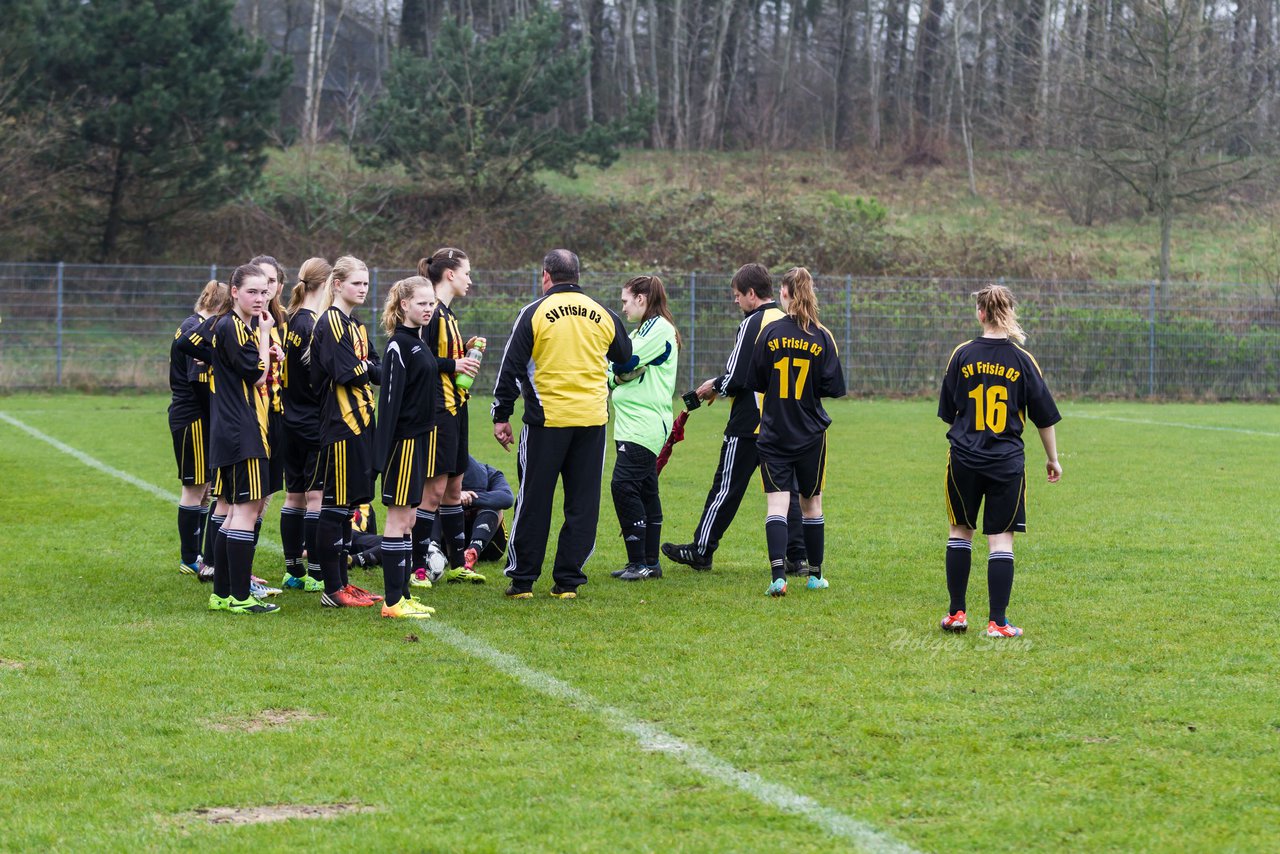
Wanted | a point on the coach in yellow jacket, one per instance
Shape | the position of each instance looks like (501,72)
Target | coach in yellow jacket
(556,357)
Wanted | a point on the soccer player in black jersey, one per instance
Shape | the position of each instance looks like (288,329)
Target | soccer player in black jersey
(405,448)
(197,345)
(991,388)
(189,424)
(752,289)
(794,365)
(276,434)
(344,371)
(238,444)
(301,511)
(450,272)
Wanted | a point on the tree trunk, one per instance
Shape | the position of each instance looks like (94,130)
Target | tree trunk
(115,208)
(309,106)
(707,125)
(679,95)
(413,27)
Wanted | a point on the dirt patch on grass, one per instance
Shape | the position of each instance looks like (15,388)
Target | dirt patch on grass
(273,812)
(10,664)
(265,719)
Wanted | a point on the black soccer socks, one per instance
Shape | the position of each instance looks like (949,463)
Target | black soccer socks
(815,543)
(293,522)
(396,554)
(775,534)
(999,584)
(189,519)
(239,562)
(959,558)
(453,529)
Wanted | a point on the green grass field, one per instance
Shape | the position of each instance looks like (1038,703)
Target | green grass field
(691,713)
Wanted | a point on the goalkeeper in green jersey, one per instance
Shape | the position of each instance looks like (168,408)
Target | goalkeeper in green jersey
(642,419)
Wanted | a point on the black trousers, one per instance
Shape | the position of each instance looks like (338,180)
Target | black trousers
(739,462)
(549,454)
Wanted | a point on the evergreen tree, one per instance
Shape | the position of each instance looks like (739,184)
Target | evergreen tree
(170,103)
(482,112)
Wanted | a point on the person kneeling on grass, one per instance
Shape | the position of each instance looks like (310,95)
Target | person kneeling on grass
(238,447)
(990,387)
(794,365)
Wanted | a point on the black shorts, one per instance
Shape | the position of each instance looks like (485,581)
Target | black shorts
(347,470)
(1005,499)
(634,462)
(245,481)
(276,444)
(453,449)
(412,462)
(301,463)
(805,474)
(216,476)
(190,448)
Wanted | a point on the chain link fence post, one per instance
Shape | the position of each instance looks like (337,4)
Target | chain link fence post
(61,269)
(375,315)
(693,328)
(1151,343)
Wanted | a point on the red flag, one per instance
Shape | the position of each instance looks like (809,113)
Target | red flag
(677,435)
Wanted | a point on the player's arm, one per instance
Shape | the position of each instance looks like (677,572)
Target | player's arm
(620,352)
(515,361)
(759,367)
(390,400)
(947,395)
(1049,439)
(344,365)
(374,367)
(497,494)
(198,342)
(831,378)
(738,368)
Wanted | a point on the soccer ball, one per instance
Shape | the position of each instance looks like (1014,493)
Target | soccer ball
(436,562)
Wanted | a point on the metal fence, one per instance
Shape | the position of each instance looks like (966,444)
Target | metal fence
(109,327)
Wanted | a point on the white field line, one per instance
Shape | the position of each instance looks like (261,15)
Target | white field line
(88,460)
(646,735)
(1173,424)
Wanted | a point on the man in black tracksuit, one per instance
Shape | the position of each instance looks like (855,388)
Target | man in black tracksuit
(752,288)
(556,358)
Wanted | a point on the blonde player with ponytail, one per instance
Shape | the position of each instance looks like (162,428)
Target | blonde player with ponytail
(405,449)
(992,386)
(344,371)
(795,364)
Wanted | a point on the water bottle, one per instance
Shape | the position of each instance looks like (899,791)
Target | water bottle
(464,381)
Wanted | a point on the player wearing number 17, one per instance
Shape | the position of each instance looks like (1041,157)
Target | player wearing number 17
(795,364)
(991,387)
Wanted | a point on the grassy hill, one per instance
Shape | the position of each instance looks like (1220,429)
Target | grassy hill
(846,213)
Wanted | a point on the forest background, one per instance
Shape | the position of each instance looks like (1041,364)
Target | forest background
(1081,139)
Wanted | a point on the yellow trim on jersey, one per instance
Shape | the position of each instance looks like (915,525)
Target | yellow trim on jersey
(1029,356)
(956,350)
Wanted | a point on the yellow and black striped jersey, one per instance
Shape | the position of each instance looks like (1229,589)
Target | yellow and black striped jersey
(343,372)
(991,387)
(237,405)
(557,357)
(444,340)
(188,380)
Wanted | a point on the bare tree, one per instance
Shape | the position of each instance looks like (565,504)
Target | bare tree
(1162,104)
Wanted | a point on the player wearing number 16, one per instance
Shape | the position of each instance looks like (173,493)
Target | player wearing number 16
(991,387)
(795,364)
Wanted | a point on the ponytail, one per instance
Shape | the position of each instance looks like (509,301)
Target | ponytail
(392,312)
(998,306)
(213,298)
(447,258)
(655,294)
(312,275)
(802,304)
